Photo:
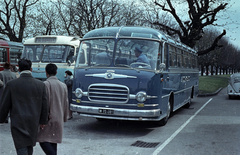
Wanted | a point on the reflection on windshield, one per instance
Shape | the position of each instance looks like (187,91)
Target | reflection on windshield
(48,53)
(100,52)
(236,79)
(129,53)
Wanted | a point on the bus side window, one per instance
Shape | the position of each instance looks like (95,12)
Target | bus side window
(70,55)
(82,57)
(165,54)
(171,56)
(175,57)
(183,59)
(3,55)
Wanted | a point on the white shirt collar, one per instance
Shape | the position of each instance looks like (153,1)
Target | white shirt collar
(26,71)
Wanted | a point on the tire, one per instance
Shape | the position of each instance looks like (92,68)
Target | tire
(188,104)
(101,119)
(230,96)
(164,121)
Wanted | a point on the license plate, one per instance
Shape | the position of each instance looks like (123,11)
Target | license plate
(106,111)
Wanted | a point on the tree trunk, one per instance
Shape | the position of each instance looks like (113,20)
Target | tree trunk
(216,73)
(211,69)
(202,70)
(206,70)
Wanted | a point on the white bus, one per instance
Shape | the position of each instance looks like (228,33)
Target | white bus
(60,50)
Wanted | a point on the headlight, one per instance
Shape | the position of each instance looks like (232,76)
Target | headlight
(78,93)
(141,96)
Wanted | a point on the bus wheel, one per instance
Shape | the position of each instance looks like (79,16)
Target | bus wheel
(163,121)
(188,104)
(101,119)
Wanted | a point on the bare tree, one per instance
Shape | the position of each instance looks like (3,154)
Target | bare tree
(90,14)
(13,18)
(201,13)
(65,12)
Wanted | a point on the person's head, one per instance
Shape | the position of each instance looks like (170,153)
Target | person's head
(24,64)
(7,65)
(51,69)
(14,68)
(138,51)
(68,73)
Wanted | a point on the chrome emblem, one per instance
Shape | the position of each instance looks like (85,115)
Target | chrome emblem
(109,75)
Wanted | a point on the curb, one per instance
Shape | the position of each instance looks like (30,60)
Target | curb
(210,94)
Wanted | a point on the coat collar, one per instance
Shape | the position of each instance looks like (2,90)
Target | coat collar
(25,75)
(52,78)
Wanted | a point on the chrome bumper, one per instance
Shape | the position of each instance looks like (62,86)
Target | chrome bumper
(121,114)
(234,94)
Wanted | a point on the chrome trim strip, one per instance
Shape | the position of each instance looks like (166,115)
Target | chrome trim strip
(165,95)
(176,92)
(119,104)
(237,94)
(126,118)
(113,75)
(117,112)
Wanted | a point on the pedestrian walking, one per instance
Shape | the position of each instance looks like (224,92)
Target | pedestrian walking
(57,94)
(5,76)
(69,82)
(15,70)
(25,97)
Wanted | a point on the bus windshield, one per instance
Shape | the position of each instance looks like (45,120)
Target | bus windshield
(48,53)
(136,53)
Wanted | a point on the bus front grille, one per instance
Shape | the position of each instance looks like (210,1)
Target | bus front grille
(105,92)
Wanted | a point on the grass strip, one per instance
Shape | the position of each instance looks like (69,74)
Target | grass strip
(210,84)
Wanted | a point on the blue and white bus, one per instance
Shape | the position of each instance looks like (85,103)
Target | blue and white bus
(60,50)
(111,83)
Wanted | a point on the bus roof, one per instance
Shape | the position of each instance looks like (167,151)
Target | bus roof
(53,40)
(142,32)
(15,44)
(135,32)
(3,43)
(10,44)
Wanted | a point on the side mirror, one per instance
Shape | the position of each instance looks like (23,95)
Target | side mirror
(162,67)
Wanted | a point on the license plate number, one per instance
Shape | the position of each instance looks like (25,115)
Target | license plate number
(106,111)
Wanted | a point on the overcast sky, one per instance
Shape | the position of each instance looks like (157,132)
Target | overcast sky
(233,30)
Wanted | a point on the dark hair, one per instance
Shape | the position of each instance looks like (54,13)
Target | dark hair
(24,64)
(7,65)
(51,69)
(68,72)
(137,49)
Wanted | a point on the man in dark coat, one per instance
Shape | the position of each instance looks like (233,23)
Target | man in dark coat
(69,82)
(26,99)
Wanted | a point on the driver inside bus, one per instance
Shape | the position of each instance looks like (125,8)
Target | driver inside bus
(140,56)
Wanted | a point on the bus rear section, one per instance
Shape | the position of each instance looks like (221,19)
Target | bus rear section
(10,51)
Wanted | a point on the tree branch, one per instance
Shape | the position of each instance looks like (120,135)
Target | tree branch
(214,45)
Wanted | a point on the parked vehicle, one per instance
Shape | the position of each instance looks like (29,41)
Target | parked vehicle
(111,82)
(10,51)
(233,88)
(45,49)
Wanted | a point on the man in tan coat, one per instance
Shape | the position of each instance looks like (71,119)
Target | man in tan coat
(57,93)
